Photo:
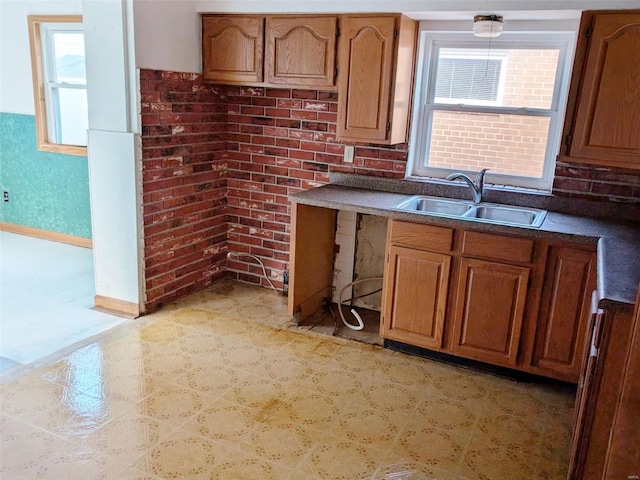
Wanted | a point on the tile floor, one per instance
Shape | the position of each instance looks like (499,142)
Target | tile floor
(46,295)
(221,386)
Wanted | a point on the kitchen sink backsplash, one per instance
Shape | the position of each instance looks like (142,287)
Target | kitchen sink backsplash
(220,161)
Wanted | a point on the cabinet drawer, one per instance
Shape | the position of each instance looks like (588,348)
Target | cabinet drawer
(417,235)
(497,247)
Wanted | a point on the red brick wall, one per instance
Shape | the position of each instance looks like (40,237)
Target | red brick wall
(596,183)
(218,163)
(184,184)
(282,141)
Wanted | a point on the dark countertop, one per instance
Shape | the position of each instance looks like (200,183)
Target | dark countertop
(618,242)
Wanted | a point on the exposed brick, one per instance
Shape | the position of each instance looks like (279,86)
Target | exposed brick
(220,161)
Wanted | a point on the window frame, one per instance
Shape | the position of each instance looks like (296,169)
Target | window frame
(423,102)
(39,73)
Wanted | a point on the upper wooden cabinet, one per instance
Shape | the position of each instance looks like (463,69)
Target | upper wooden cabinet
(232,49)
(603,115)
(376,56)
(289,50)
(301,51)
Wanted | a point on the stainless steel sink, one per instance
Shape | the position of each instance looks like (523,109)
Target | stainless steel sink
(484,212)
(492,213)
(436,205)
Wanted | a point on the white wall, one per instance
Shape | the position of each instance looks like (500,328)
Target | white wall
(114,168)
(167,35)
(414,8)
(16,84)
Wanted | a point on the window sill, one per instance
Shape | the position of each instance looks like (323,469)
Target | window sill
(64,149)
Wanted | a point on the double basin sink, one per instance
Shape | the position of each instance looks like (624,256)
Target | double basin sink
(483,212)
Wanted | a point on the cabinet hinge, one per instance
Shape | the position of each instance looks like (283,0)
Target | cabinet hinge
(388,126)
(567,140)
(395,33)
(337,32)
(387,258)
(335,72)
(589,31)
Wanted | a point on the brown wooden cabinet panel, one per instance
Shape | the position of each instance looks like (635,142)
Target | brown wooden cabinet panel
(424,237)
(301,51)
(375,74)
(600,403)
(489,311)
(311,268)
(605,127)
(497,247)
(564,314)
(232,49)
(415,297)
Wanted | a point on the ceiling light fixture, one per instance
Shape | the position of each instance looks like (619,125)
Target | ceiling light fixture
(487,25)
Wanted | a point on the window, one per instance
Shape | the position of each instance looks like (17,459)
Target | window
(60,83)
(498,106)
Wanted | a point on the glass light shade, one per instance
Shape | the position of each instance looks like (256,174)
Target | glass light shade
(487,25)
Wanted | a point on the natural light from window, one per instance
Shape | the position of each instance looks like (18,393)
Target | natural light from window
(495,107)
(60,83)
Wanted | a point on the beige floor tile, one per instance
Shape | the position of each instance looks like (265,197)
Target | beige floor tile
(307,410)
(256,392)
(286,368)
(485,461)
(393,399)
(360,358)
(367,425)
(446,413)
(126,438)
(313,349)
(225,422)
(199,343)
(409,371)
(163,332)
(213,380)
(174,404)
(339,459)
(286,446)
(243,465)
(430,446)
(514,435)
(183,455)
(407,470)
(338,383)
(221,386)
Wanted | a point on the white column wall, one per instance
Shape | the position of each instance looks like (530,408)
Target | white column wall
(114,169)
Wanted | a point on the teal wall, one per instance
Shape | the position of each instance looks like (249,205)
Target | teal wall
(49,191)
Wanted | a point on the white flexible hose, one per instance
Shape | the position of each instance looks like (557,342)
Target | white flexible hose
(264,270)
(360,325)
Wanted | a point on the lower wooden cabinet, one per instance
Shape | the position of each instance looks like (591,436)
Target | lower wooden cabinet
(506,300)
(570,278)
(489,311)
(416,284)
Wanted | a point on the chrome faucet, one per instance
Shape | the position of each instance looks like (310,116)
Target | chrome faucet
(476,187)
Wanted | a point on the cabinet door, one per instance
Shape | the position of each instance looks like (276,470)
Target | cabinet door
(301,51)
(415,297)
(564,312)
(607,119)
(232,49)
(375,77)
(489,310)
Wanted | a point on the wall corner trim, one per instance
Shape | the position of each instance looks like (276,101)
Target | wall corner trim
(117,307)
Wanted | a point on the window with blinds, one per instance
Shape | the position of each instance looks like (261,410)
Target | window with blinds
(460,79)
(498,106)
